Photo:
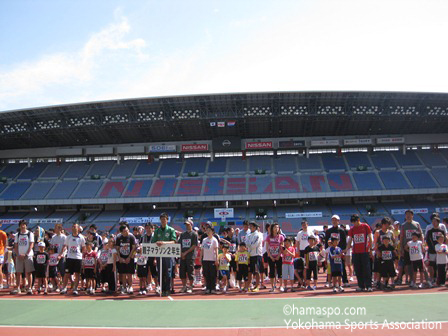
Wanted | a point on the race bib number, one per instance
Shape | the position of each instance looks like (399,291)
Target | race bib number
(242,258)
(104,257)
(125,249)
(207,245)
(40,259)
(359,238)
(223,262)
(386,255)
(23,241)
(275,250)
(142,260)
(335,235)
(305,236)
(313,256)
(89,261)
(186,243)
(409,233)
(436,235)
(232,248)
(288,258)
(54,260)
(73,249)
(414,250)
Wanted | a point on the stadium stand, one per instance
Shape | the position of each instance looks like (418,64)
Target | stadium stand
(383,160)
(285,164)
(124,169)
(54,171)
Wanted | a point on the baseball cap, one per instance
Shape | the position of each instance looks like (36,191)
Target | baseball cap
(254,224)
(188,221)
(396,223)
(196,228)
(336,216)
(41,244)
(311,236)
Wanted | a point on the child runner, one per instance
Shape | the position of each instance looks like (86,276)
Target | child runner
(224,266)
(386,254)
(89,266)
(336,256)
(197,266)
(288,253)
(108,258)
(242,268)
(442,259)
(41,268)
(142,271)
(415,249)
(53,268)
(311,261)
(299,270)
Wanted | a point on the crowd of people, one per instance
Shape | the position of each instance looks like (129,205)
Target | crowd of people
(248,259)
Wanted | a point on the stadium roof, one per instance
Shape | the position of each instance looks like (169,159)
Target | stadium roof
(196,117)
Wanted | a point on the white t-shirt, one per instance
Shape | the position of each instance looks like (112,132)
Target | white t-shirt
(441,227)
(265,235)
(302,238)
(208,248)
(254,243)
(58,241)
(442,258)
(74,246)
(415,250)
(107,256)
(23,241)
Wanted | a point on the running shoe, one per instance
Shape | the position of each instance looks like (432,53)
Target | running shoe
(75,292)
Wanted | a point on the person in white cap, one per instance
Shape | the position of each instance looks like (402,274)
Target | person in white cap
(188,241)
(339,233)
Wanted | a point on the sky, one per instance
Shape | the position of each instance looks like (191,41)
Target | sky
(64,51)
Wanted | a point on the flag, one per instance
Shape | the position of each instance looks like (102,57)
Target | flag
(221,124)
(212,123)
(231,123)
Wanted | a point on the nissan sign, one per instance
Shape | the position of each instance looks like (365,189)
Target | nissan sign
(195,148)
(259,145)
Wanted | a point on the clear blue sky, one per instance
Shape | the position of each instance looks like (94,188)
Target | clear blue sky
(60,51)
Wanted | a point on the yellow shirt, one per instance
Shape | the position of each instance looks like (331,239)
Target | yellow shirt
(242,258)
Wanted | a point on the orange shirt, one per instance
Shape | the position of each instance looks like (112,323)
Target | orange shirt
(3,242)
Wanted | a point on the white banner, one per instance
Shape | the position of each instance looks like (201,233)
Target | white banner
(168,250)
(224,213)
(402,211)
(357,141)
(441,210)
(324,143)
(162,148)
(141,220)
(389,140)
(46,220)
(303,214)
(9,221)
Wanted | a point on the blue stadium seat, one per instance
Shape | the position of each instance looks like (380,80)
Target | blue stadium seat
(197,165)
(77,170)
(12,170)
(441,175)
(31,173)
(285,164)
(237,165)
(54,171)
(170,168)
(164,187)
(145,168)
(393,180)
(383,160)
(113,189)
(38,190)
(62,190)
(431,159)
(87,189)
(367,181)
(15,190)
(409,159)
(260,185)
(421,179)
(217,166)
(355,160)
(313,163)
(340,182)
(314,183)
(214,186)
(123,170)
(101,168)
(332,162)
(260,162)
(138,188)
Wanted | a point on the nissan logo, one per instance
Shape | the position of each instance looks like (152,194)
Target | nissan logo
(226,143)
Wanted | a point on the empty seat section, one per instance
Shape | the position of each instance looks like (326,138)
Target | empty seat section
(62,190)
(196,165)
(431,159)
(383,160)
(260,162)
(2,187)
(409,159)
(340,182)
(260,184)
(217,166)
(285,164)
(101,168)
(15,190)
(54,171)
(31,173)
(113,189)
(87,189)
(441,175)
(237,165)
(421,179)
(164,187)
(393,180)
(333,162)
(145,168)
(355,160)
(77,170)
(170,167)
(38,190)
(124,169)
(313,163)
(367,181)
(109,216)
(12,170)
(214,186)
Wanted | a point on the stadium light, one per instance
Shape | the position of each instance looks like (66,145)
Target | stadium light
(186,114)
(293,110)
(257,111)
(330,110)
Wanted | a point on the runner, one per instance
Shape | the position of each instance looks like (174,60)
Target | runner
(75,245)
(254,243)
(126,245)
(23,248)
(274,242)
(302,238)
(188,241)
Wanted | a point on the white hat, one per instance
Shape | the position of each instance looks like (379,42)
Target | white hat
(336,216)
(188,221)
(396,222)
(41,244)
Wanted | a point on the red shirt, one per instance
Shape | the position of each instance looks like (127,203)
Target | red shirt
(89,259)
(359,236)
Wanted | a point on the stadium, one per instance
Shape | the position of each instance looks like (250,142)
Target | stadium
(270,157)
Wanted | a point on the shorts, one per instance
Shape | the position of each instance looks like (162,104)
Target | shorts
(376,265)
(265,258)
(312,268)
(124,268)
(417,265)
(255,264)
(186,269)
(73,266)
(233,265)
(336,273)
(298,264)
(11,268)
(288,272)
(89,273)
(243,272)
(142,271)
(224,273)
(24,265)
(41,273)
(387,269)
(432,260)
(152,266)
(52,272)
